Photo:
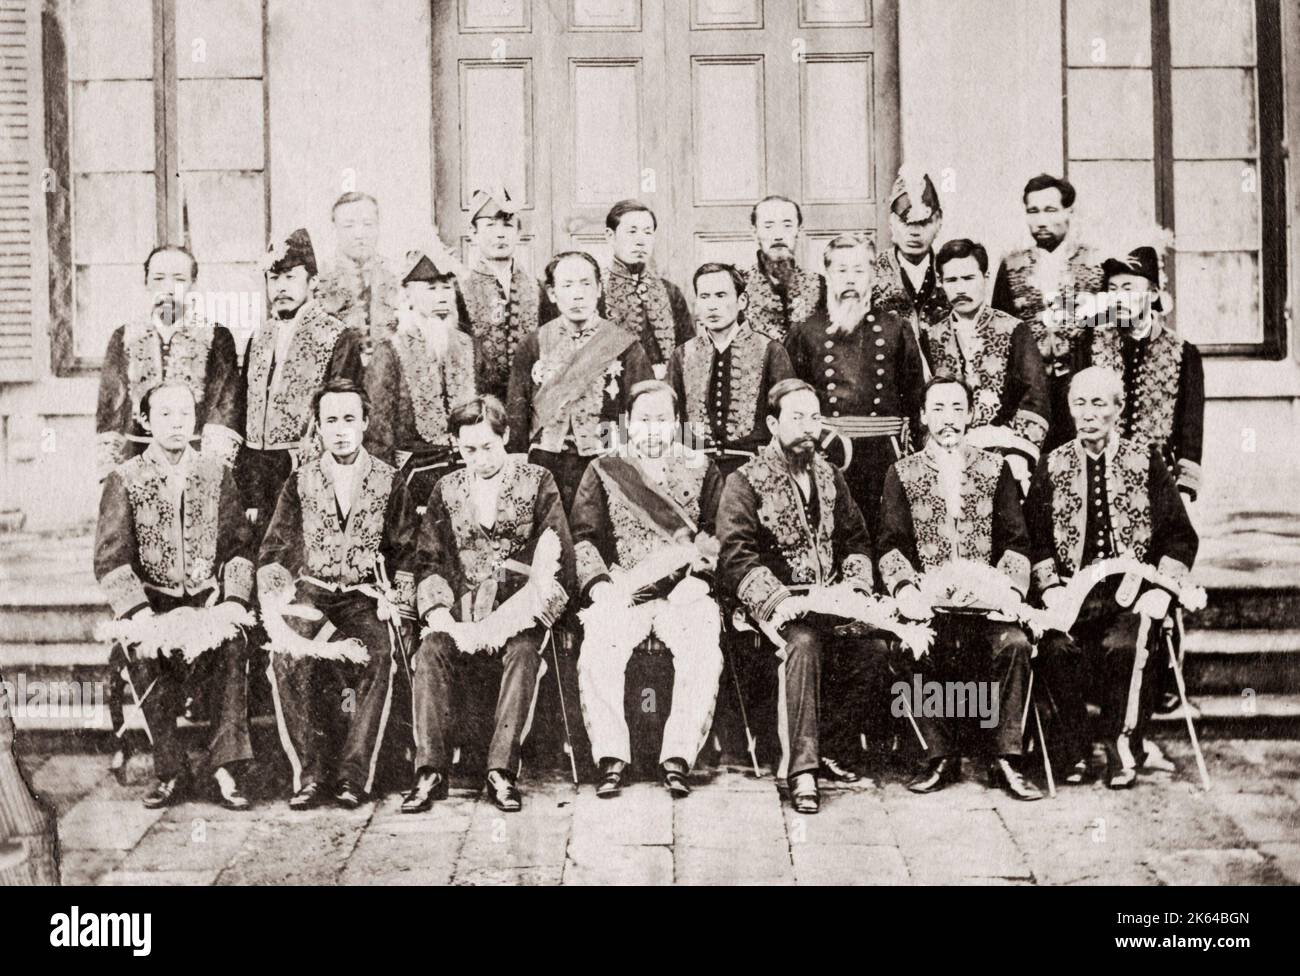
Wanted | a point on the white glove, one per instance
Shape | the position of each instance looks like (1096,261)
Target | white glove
(1153,604)
(1053,595)
(689,590)
(439,620)
(603,592)
(1019,468)
(250,514)
(911,604)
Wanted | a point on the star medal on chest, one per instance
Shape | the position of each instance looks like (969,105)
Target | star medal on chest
(615,369)
(498,312)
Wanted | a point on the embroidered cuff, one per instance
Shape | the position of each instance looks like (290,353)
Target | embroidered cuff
(404,584)
(432,594)
(110,451)
(590,564)
(1016,566)
(1043,575)
(274,582)
(1172,569)
(895,570)
(237,579)
(1032,428)
(857,569)
(124,591)
(221,443)
(1189,477)
(760,591)
(554,605)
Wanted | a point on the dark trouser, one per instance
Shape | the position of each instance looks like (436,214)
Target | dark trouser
(567,467)
(261,476)
(318,702)
(223,669)
(872,457)
(851,665)
(1108,643)
(432,685)
(969,650)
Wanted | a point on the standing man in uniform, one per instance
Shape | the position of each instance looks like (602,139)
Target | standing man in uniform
(780,293)
(174,342)
(501,296)
(357,287)
(906,279)
(298,349)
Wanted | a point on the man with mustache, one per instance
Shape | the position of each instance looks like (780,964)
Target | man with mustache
(174,342)
(949,501)
(357,287)
(1099,497)
(417,375)
(172,537)
(995,355)
(786,522)
(865,364)
(1041,285)
(570,380)
(476,548)
(781,294)
(906,279)
(501,296)
(630,510)
(721,378)
(337,564)
(298,349)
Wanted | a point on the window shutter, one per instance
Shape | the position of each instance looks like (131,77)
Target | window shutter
(19,179)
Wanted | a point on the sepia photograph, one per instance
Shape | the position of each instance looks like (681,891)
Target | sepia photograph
(648,443)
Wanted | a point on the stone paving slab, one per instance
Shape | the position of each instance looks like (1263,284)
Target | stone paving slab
(734,828)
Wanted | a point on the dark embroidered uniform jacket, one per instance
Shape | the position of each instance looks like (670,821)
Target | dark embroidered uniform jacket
(498,322)
(917,532)
(1164,395)
(201,355)
(182,543)
(723,395)
(309,539)
(650,307)
(545,352)
(1004,369)
(459,558)
(608,531)
(893,292)
(1081,510)
(772,539)
(874,372)
(1016,290)
(365,298)
(411,393)
(774,312)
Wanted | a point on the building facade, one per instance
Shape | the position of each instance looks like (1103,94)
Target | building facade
(128,122)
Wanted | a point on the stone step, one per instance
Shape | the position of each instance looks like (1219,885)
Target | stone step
(1247,607)
(1230,661)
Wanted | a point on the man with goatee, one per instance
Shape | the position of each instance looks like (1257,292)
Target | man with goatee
(781,294)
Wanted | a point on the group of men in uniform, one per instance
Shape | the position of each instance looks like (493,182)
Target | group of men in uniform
(410,468)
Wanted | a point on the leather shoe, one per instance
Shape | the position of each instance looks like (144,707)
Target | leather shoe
(503,792)
(228,793)
(804,795)
(348,795)
(938,774)
(1120,777)
(836,773)
(430,785)
(167,792)
(674,773)
(307,797)
(1003,774)
(611,778)
(1077,774)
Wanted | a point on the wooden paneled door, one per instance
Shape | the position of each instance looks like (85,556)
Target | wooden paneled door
(697,107)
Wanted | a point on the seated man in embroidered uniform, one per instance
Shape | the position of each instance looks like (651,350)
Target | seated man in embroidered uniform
(171,539)
(502,298)
(995,355)
(642,528)
(1097,498)
(570,379)
(417,375)
(722,377)
(336,585)
(175,342)
(781,293)
(298,349)
(787,523)
(481,588)
(951,501)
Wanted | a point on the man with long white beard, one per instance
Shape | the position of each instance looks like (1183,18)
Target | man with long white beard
(781,294)
(865,365)
(645,549)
